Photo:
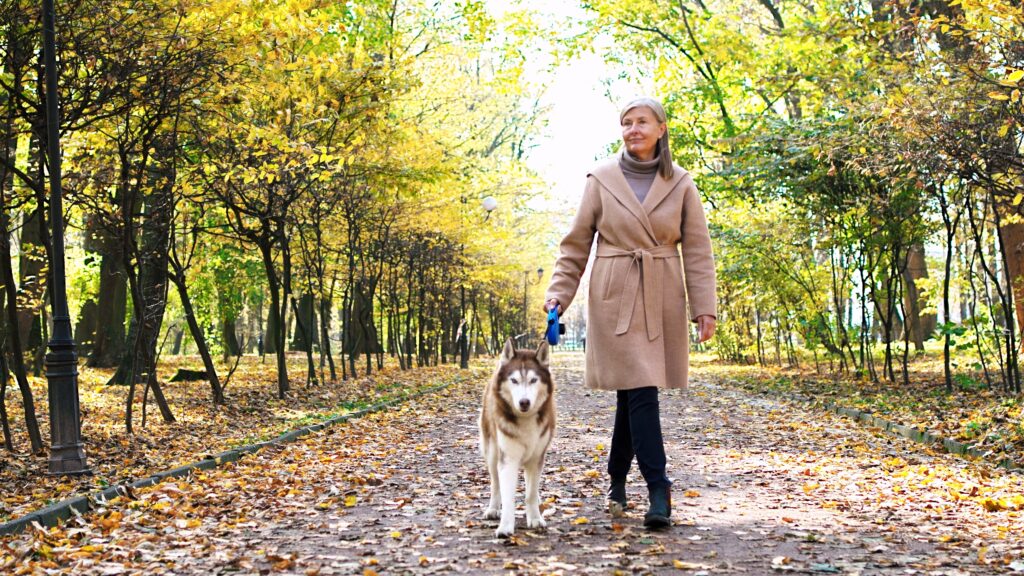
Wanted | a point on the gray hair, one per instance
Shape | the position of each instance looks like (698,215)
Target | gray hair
(663,150)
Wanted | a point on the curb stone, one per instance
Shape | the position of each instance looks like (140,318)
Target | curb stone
(920,436)
(78,505)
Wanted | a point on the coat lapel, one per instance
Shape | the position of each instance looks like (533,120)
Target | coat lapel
(611,177)
(660,189)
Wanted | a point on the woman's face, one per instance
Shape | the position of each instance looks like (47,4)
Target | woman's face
(641,131)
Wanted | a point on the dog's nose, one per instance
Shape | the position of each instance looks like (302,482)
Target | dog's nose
(524,404)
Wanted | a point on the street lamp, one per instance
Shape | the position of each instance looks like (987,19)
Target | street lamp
(526,283)
(67,455)
(489,204)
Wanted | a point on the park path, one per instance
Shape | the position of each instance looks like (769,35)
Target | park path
(760,487)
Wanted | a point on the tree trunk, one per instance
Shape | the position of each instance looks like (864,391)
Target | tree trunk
(366,326)
(463,331)
(32,282)
(950,224)
(269,342)
(346,327)
(1012,236)
(259,343)
(275,324)
(229,336)
(304,336)
(421,336)
(13,345)
(216,392)
(179,336)
(325,336)
(378,334)
(85,328)
(149,288)
(361,329)
(14,338)
(407,342)
(108,347)
(1011,245)
(5,374)
(919,326)
(303,333)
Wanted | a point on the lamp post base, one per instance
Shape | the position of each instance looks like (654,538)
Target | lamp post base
(68,461)
(67,454)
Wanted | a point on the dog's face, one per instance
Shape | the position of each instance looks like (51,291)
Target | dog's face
(523,379)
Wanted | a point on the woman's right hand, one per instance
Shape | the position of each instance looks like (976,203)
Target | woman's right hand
(551,305)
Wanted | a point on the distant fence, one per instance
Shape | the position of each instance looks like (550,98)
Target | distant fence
(570,345)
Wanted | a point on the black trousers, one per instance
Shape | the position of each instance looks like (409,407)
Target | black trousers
(637,433)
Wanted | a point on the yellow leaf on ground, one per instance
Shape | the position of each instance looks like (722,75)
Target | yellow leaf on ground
(994,504)
(680,565)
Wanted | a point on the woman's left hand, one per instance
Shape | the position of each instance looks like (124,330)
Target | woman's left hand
(705,327)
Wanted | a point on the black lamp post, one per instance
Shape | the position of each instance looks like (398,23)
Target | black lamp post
(527,283)
(67,455)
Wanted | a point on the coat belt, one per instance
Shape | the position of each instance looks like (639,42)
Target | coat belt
(641,271)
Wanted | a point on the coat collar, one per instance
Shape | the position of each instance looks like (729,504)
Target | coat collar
(610,175)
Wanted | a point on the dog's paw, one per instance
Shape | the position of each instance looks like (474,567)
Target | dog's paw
(537,522)
(492,514)
(504,531)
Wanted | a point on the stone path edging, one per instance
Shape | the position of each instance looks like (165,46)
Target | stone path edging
(76,505)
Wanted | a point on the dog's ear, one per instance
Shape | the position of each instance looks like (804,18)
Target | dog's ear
(507,353)
(543,353)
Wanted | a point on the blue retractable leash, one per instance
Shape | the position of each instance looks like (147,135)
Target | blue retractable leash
(555,328)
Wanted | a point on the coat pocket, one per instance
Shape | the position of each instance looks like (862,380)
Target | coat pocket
(613,277)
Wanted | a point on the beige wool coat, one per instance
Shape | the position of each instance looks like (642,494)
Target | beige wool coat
(637,329)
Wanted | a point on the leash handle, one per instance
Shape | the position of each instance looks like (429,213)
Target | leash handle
(553,330)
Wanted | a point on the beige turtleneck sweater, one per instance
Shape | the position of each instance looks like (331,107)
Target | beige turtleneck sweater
(640,174)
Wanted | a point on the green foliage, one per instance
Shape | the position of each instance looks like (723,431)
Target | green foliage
(967,383)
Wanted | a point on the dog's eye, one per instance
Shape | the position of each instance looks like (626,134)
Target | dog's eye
(514,380)
(533,380)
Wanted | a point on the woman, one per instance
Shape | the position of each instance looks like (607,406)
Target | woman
(639,206)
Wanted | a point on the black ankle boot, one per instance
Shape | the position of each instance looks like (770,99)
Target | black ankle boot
(617,499)
(659,515)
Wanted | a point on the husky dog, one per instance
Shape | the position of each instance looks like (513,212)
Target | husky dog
(517,423)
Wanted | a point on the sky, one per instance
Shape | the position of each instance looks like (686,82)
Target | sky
(582,120)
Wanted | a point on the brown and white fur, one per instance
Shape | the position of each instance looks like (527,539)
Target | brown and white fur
(517,423)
